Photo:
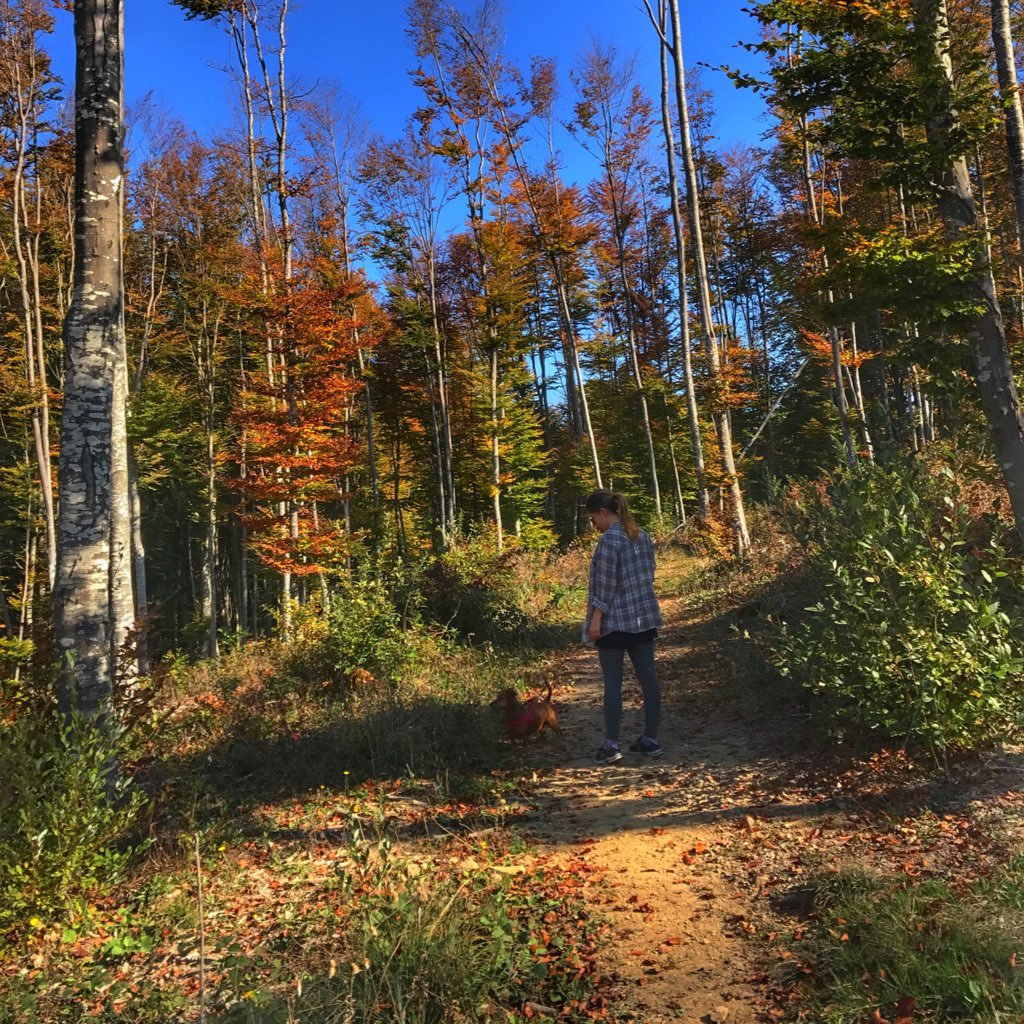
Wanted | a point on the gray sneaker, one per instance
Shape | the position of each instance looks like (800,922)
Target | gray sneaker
(608,755)
(652,748)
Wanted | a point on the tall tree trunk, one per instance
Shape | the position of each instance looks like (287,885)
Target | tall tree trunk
(817,212)
(579,410)
(450,509)
(93,544)
(25,90)
(138,565)
(1009,93)
(693,414)
(275,96)
(495,447)
(720,412)
(989,356)
(209,597)
(27,586)
(628,307)
(237,23)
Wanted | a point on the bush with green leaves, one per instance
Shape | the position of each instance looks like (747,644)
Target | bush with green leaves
(65,817)
(472,589)
(915,632)
(359,629)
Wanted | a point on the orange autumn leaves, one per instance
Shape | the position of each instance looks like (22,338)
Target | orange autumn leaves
(296,427)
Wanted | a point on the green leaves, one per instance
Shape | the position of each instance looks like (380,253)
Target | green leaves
(911,637)
(920,279)
(207,10)
(61,831)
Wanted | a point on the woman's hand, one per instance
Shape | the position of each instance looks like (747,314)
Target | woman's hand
(596,616)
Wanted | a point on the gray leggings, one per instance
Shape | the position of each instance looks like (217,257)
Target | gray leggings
(612,660)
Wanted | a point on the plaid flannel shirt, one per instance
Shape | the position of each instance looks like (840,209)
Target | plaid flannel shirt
(622,584)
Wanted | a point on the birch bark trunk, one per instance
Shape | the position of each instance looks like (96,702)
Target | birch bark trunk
(693,414)
(90,610)
(26,87)
(1009,92)
(724,427)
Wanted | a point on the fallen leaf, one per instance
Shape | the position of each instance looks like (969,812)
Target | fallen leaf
(906,1007)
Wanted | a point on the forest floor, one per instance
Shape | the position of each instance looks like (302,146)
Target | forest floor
(708,856)
(698,887)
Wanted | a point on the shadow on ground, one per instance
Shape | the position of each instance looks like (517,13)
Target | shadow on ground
(740,744)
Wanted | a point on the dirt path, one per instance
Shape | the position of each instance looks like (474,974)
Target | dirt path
(712,845)
(665,830)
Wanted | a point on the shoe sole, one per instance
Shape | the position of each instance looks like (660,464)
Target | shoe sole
(608,760)
(648,753)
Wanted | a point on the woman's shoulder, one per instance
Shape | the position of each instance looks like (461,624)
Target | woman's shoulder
(609,543)
(644,541)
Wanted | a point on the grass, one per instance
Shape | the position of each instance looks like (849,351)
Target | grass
(360,863)
(883,947)
(465,948)
(348,822)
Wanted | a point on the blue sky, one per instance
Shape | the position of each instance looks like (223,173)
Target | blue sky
(362,45)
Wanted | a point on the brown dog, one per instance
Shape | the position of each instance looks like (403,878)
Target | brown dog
(529,719)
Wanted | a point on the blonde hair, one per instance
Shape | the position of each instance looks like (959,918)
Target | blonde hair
(612,501)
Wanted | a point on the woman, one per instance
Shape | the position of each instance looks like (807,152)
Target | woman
(623,615)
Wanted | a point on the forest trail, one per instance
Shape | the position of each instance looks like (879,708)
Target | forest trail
(667,834)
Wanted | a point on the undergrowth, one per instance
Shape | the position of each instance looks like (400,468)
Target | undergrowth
(913,630)
(276,779)
(885,948)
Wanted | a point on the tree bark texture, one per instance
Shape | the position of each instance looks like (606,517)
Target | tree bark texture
(989,356)
(92,594)
(1009,91)
(27,85)
(722,422)
(693,414)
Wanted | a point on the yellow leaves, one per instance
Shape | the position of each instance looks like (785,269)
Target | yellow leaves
(868,10)
(817,345)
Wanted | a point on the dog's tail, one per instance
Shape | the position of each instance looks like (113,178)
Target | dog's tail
(548,697)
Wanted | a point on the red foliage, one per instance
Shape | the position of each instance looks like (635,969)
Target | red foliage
(295,420)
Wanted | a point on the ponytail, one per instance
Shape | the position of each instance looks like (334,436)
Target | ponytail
(615,503)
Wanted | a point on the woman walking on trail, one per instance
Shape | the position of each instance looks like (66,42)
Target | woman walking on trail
(623,615)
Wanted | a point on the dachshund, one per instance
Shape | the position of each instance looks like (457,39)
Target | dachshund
(529,719)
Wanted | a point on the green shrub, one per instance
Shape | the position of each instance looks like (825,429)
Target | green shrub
(914,634)
(472,590)
(63,818)
(360,629)
(15,654)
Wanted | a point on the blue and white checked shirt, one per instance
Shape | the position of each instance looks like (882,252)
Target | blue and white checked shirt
(622,584)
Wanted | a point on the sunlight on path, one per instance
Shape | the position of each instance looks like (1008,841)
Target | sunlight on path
(655,827)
